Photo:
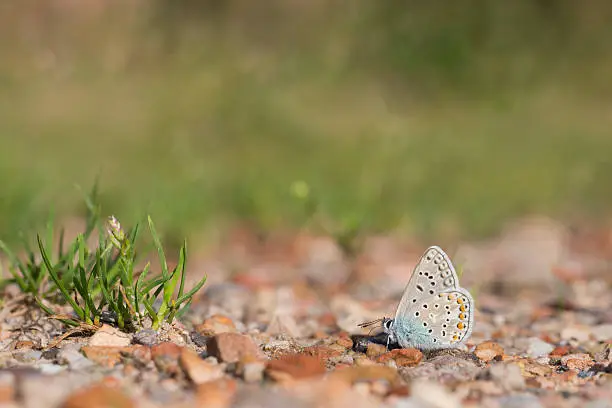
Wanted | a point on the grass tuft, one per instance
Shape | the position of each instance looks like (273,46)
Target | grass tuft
(102,284)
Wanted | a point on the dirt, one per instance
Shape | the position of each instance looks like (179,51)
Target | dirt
(277,326)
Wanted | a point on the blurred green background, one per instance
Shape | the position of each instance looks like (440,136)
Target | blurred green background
(419,117)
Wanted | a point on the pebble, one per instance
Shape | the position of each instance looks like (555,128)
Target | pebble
(580,333)
(166,356)
(28,356)
(98,396)
(520,401)
(105,356)
(432,395)
(50,391)
(146,337)
(603,332)
(216,324)
(7,388)
(197,369)
(488,351)
(295,366)
(538,347)
(253,372)
(283,325)
(217,394)
(110,337)
(50,368)
(579,361)
(232,347)
(402,357)
(507,375)
(375,350)
(71,355)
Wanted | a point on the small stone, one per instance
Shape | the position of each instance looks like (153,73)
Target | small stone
(577,362)
(560,351)
(345,342)
(76,361)
(603,332)
(50,354)
(403,357)
(24,344)
(295,366)
(231,347)
(7,388)
(375,350)
(166,356)
(579,333)
(28,356)
(110,337)
(216,324)
(507,375)
(604,355)
(217,394)
(324,352)
(98,396)
(355,374)
(198,370)
(538,348)
(253,372)
(520,401)
(530,368)
(432,395)
(488,351)
(146,337)
(105,356)
(50,369)
(283,325)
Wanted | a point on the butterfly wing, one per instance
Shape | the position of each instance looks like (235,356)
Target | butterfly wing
(434,312)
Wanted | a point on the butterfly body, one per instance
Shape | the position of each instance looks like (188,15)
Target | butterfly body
(434,312)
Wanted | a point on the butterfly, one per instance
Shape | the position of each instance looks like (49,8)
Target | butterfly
(434,312)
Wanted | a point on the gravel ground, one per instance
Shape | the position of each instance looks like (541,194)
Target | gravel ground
(276,326)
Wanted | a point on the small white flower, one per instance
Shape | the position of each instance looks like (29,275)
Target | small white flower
(116,234)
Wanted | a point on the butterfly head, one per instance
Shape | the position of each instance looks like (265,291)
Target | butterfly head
(387,325)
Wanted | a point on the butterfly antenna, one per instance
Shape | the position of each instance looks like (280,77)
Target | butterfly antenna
(371,323)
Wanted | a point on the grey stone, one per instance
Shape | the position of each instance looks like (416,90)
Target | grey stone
(537,347)
(146,337)
(72,356)
(520,401)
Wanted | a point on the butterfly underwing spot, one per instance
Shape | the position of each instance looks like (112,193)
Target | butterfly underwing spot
(420,288)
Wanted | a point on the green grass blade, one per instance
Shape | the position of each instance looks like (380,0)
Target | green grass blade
(192,292)
(57,280)
(183,263)
(184,309)
(150,285)
(158,246)
(68,322)
(26,282)
(49,238)
(170,286)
